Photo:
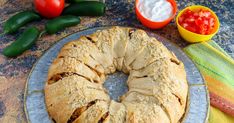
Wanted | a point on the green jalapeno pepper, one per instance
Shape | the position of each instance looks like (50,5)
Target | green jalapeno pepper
(19,20)
(60,23)
(23,43)
(85,8)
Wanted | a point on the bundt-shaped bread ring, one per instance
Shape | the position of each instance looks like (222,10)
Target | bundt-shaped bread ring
(157,80)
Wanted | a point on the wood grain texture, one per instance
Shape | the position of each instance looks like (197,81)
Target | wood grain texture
(13,72)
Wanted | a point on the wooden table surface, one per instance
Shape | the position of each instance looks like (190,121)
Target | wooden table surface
(14,71)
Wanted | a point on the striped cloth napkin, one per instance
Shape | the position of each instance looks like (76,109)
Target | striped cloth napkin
(217,68)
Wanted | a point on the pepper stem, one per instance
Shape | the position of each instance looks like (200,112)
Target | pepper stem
(42,33)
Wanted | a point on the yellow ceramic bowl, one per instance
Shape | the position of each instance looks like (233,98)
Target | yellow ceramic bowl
(194,37)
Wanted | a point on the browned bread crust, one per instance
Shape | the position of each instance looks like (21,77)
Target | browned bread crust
(157,80)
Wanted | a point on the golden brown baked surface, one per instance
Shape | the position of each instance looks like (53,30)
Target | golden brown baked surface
(157,80)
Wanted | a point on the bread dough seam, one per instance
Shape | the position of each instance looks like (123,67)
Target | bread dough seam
(62,75)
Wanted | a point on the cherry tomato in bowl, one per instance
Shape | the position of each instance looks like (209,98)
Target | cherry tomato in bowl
(49,8)
(197,23)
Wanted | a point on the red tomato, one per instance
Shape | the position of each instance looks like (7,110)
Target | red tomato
(200,21)
(49,8)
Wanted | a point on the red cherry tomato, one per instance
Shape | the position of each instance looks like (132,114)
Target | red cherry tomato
(49,8)
(200,21)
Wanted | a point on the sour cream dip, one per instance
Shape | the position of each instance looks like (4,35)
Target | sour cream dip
(155,10)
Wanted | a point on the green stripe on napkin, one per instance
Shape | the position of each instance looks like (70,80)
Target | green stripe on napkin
(217,68)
